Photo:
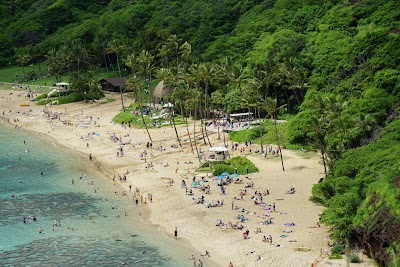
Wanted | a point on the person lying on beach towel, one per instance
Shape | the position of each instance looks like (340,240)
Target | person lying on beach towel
(290,224)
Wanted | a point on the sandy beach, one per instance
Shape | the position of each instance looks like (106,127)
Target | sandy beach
(297,240)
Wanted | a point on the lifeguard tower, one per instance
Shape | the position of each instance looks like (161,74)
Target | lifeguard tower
(61,87)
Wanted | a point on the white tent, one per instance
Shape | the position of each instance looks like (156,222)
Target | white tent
(218,149)
(168,105)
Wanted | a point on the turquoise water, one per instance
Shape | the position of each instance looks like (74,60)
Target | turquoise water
(116,235)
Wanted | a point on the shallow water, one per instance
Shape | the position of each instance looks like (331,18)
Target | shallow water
(39,174)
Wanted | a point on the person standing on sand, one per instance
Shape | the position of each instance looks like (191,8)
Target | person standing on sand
(90,157)
(230,264)
(176,233)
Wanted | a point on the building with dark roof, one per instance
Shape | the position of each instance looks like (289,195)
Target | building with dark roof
(113,84)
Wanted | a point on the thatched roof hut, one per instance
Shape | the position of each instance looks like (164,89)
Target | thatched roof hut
(160,92)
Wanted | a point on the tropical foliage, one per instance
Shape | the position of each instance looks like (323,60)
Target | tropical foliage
(333,65)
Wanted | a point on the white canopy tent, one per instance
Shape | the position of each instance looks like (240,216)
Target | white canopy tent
(220,153)
(218,149)
(168,105)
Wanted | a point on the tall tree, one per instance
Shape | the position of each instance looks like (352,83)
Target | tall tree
(115,47)
(23,59)
(195,78)
(165,74)
(217,100)
(134,84)
(256,85)
(146,60)
(173,43)
(271,106)
(54,64)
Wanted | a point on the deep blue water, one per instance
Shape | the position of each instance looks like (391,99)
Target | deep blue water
(39,174)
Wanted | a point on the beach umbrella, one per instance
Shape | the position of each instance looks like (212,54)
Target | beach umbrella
(225,173)
(235,175)
(220,177)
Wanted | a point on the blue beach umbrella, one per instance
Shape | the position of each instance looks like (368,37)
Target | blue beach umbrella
(225,173)
(235,175)
(220,177)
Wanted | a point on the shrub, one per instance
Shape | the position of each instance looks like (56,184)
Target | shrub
(242,164)
(354,258)
(335,257)
(221,168)
(337,249)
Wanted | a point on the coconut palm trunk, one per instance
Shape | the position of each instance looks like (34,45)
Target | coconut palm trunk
(145,125)
(190,138)
(176,131)
(261,131)
(120,88)
(201,122)
(187,127)
(277,140)
(194,133)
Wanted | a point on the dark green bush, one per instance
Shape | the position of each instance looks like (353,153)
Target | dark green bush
(240,163)
(337,249)
(354,258)
(335,257)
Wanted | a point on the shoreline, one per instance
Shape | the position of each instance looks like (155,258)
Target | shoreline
(107,170)
(172,207)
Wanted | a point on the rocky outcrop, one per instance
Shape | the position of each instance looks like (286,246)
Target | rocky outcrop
(382,230)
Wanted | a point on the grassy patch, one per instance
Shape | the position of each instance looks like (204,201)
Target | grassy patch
(269,135)
(128,117)
(241,164)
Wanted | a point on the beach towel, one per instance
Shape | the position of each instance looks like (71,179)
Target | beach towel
(290,224)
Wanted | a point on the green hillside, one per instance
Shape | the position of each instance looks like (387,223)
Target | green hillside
(332,67)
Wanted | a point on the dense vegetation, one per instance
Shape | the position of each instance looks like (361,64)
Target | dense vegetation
(241,164)
(333,65)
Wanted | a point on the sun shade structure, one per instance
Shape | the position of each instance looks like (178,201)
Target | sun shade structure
(160,92)
(218,149)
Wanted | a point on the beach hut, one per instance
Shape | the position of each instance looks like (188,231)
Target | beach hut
(160,92)
(220,153)
(113,84)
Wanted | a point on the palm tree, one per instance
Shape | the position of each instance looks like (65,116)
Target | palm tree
(79,56)
(238,75)
(207,73)
(256,85)
(192,102)
(54,64)
(147,63)
(195,78)
(173,43)
(186,52)
(271,106)
(217,99)
(115,47)
(163,53)
(65,55)
(135,85)
(181,94)
(23,60)
(165,75)
(318,134)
